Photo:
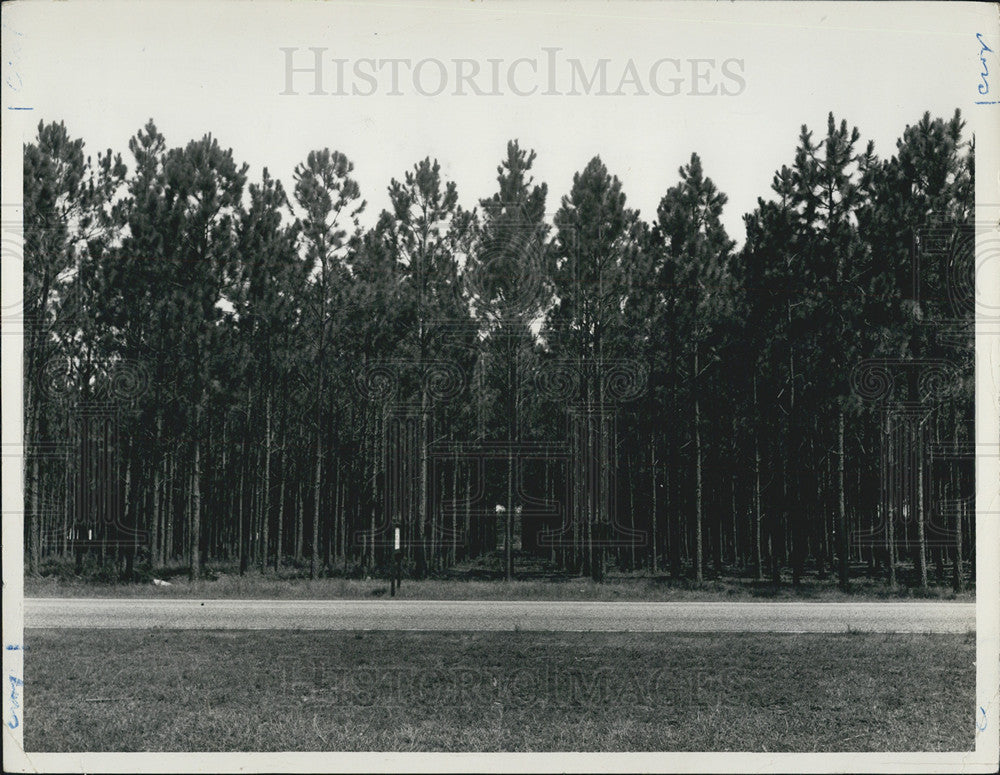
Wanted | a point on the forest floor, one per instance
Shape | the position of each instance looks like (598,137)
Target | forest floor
(172,690)
(482,579)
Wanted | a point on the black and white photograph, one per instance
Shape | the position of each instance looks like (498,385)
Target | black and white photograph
(500,386)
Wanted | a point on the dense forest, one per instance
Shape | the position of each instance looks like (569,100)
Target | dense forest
(222,371)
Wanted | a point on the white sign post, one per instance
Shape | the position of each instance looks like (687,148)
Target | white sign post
(396,567)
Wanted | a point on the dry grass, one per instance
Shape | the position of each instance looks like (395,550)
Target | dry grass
(478,581)
(164,690)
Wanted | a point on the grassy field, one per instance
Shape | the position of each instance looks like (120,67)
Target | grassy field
(167,690)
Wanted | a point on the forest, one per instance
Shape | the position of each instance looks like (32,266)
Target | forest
(227,372)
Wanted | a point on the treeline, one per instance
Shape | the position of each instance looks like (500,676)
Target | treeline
(219,369)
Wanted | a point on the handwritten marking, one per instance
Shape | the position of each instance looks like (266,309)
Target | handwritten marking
(16,45)
(981,722)
(15,683)
(984,86)
(15,647)
(12,75)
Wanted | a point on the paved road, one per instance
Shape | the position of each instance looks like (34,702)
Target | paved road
(498,615)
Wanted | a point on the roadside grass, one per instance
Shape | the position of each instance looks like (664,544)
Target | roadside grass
(277,690)
(479,580)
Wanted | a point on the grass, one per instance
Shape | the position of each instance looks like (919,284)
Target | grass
(479,580)
(169,690)
(255,585)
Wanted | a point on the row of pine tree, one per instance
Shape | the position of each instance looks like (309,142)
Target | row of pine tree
(219,370)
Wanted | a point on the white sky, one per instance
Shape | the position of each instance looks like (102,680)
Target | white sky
(106,67)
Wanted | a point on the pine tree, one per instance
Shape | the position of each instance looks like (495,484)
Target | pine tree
(507,293)
(826,197)
(269,280)
(424,233)
(328,197)
(596,245)
(925,187)
(693,239)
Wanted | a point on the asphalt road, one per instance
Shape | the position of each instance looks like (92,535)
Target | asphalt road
(787,617)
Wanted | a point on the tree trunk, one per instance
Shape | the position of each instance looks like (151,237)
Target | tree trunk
(195,537)
(317,491)
(508,562)
(283,473)
(126,514)
(300,527)
(154,531)
(631,511)
(921,538)
(343,521)
(758,555)
(171,515)
(957,581)
(265,510)
(33,430)
(699,572)
(454,508)
(652,476)
(243,533)
(374,489)
(671,508)
(332,536)
(421,569)
(511,432)
(732,494)
(842,543)
(468,510)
